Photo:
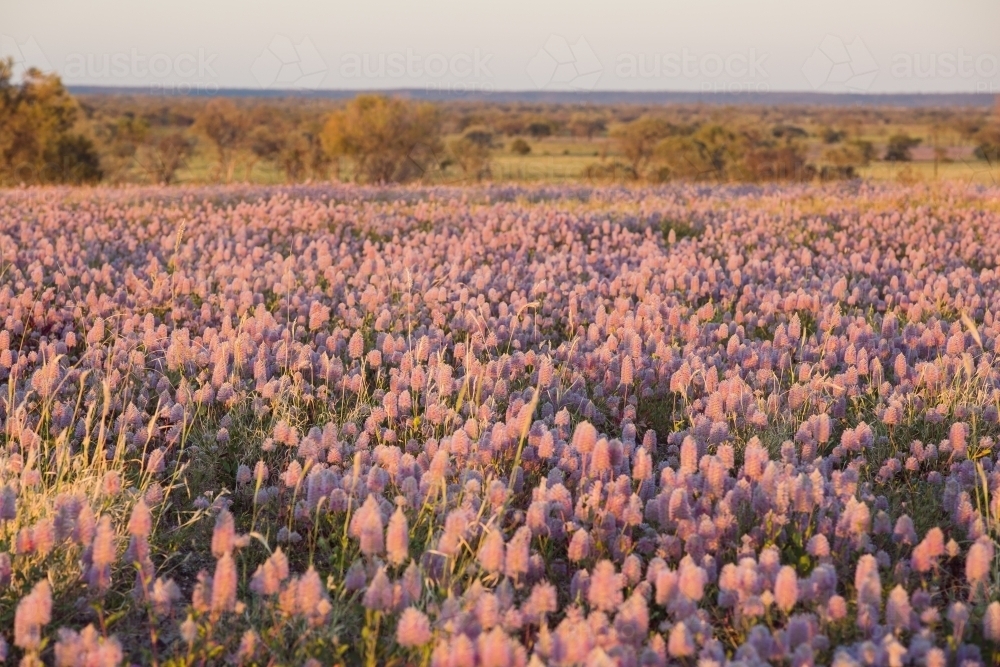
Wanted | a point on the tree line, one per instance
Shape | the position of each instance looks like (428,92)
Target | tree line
(49,136)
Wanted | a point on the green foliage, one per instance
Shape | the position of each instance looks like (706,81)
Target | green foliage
(169,154)
(988,146)
(587,125)
(265,142)
(899,147)
(540,129)
(386,139)
(122,138)
(832,136)
(769,160)
(226,127)
(38,143)
(166,139)
(471,152)
(710,153)
(613,171)
(520,147)
(675,230)
(72,159)
(789,131)
(638,140)
(842,160)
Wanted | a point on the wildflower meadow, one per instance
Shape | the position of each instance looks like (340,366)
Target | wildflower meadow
(500,425)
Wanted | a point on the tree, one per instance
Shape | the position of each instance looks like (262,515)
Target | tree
(386,139)
(843,160)
(540,129)
(899,147)
(265,144)
(122,139)
(520,147)
(637,140)
(37,141)
(294,156)
(867,150)
(586,125)
(940,152)
(788,131)
(226,126)
(471,152)
(764,159)
(988,143)
(72,159)
(298,149)
(302,155)
(832,136)
(318,160)
(511,124)
(709,153)
(167,155)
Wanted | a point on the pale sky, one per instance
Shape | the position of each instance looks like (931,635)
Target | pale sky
(735,45)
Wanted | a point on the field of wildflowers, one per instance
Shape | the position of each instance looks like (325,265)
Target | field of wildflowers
(500,426)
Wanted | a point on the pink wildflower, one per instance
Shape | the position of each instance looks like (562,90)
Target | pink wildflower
(34,611)
(413,629)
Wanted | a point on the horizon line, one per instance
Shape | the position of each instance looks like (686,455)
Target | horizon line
(970,98)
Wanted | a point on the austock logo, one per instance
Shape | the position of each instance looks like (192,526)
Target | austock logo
(26,55)
(716,72)
(835,65)
(283,64)
(561,65)
(408,64)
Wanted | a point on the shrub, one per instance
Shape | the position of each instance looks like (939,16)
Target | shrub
(471,152)
(520,147)
(709,153)
(899,148)
(609,171)
(540,129)
(638,140)
(386,139)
